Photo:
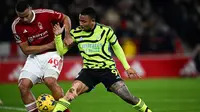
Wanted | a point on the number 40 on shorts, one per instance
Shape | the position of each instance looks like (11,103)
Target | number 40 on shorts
(56,63)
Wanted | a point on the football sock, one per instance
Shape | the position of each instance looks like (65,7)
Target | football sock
(141,107)
(31,107)
(61,105)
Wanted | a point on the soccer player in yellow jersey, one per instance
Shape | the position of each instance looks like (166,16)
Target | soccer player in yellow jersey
(94,42)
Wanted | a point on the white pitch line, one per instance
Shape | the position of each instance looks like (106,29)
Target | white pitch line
(13,108)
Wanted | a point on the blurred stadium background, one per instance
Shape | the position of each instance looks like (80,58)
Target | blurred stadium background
(158,37)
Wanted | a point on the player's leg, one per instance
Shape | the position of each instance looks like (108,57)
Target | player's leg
(28,77)
(55,88)
(51,82)
(52,71)
(83,83)
(120,89)
(113,82)
(26,82)
(76,89)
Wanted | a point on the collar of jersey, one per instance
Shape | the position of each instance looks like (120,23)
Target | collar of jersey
(33,16)
(92,29)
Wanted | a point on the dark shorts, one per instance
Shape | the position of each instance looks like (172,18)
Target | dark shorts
(92,77)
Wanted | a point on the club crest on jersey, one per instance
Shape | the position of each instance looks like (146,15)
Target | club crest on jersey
(81,38)
(25,31)
(40,25)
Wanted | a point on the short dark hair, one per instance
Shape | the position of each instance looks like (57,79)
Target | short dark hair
(90,12)
(21,5)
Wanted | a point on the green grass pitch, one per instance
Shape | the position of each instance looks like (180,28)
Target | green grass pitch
(161,95)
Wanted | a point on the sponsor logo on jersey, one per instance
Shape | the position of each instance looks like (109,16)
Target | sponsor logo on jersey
(92,47)
(38,36)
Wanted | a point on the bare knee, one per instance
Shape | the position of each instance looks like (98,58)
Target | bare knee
(50,82)
(25,85)
(56,90)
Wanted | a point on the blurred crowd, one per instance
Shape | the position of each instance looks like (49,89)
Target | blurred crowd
(142,26)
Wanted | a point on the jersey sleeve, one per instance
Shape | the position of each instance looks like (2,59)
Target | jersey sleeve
(72,35)
(60,46)
(120,55)
(112,38)
(55,16)
(18,34)
(117,48)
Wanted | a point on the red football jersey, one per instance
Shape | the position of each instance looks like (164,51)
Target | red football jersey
(40,30)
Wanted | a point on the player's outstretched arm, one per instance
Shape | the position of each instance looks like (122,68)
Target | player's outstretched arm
(26,49)
(60,46)
(121,56)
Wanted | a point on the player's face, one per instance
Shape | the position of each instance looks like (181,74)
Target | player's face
(86,22)
(26,16)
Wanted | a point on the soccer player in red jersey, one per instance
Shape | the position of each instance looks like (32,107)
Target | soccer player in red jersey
(33,32)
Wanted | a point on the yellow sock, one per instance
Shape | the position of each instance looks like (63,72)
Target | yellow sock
(61,105)
(141,107)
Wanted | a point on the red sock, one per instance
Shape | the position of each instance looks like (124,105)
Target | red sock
(67,110)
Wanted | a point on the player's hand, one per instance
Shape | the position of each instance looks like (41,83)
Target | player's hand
(57,29)
(68,41)
(132,73)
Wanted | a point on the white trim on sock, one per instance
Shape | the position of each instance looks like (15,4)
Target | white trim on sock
(31,106)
